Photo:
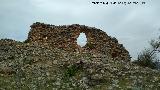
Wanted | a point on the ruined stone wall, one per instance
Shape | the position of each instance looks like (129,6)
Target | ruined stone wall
(65,37)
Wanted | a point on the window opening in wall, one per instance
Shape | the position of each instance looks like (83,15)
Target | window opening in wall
(82,40)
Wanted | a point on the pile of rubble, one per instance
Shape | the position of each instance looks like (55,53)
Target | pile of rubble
(65,37)
(26,66)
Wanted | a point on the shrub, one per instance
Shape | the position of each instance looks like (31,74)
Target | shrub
(71,71)
(146,60)
(148,57)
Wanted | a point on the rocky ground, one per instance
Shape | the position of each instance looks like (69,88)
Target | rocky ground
(25,66)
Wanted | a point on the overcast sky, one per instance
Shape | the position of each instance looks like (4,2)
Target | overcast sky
(132,25)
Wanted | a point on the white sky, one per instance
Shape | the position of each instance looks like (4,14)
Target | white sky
(132,25)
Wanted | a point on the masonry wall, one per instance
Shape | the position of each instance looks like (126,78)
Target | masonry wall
(65,37)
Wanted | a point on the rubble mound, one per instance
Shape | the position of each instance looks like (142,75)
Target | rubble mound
(31,65)
(65,37)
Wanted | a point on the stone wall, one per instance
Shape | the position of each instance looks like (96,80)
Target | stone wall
(65,37)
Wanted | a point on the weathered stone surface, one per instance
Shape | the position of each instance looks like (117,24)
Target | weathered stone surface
(26,66)
(41,64)
(65,37)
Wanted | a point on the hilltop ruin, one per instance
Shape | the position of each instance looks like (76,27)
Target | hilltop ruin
(65,37)
(51,59)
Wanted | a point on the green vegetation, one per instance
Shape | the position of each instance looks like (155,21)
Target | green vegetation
(148,57)
(71,71)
